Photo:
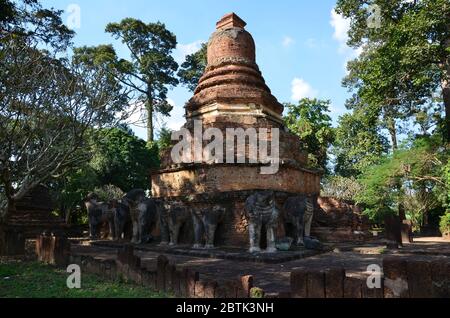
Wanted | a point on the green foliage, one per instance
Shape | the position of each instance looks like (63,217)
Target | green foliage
(151,69)
(256,292)
(35,280)
(358,144)
(444,224)
(108,193)
(7,11)
(310,121)
(119,162)
(69,192)
(122,159)
(48,102)
(343,188)
(405,61)
(165,139)
(193,68)
(417,167)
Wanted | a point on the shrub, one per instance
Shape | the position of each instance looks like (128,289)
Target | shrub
(109,192)
(444,225)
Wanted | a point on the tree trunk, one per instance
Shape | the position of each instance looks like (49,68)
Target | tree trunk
(446,96)
(392,132)
(67,216)
(150,134)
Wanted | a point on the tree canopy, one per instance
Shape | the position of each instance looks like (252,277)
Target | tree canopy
(405,59)
(193,68)
(151,69)
(310,121)
(48,102)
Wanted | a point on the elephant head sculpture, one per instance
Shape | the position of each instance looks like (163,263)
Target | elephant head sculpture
(122,218)
(298,211)
(99,213)
(173,216)
(261,210)
(144,215)
(205,221)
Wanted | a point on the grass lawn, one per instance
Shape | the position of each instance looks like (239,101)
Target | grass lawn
(35,280)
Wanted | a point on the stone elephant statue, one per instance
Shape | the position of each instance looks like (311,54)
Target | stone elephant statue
(205,224)
(122,218)
(260,210)
(173,216)
(299,211)
(144,215)
(99,213)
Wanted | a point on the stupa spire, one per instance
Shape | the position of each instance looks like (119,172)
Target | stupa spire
(232,81)
(230,20)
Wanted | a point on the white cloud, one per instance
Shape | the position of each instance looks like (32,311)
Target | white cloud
(176,119)
(287,41)
(186,49)
(302,89)
(341,27)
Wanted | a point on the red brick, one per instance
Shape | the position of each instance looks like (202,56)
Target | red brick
(440,277)
(419,278)
(395,277)
(169,279)
(315,284)
(191,279)
(210,289)
(161,264)
(334,282)
(352,287)
(247,284)
(298,283)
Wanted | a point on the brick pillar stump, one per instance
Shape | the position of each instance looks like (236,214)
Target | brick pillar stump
(406,230)
(53,249)
(393,233)
(12,241)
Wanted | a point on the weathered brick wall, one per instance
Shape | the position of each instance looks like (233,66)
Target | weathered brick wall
(403,277)
(12,241)
(225,178)
(53,249)
(165,277)
(290,149)
(337,220)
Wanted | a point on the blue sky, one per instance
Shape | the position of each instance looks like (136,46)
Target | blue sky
(300,44)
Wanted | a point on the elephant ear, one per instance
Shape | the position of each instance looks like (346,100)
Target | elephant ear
(250,203)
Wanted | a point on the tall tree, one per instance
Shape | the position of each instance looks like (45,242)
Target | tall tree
(47,103)
(358,144)
(193,68)
(310,121)
(406,58)
(419,167)
(151,69)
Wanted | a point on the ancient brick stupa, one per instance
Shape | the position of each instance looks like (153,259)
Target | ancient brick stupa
(232,94)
